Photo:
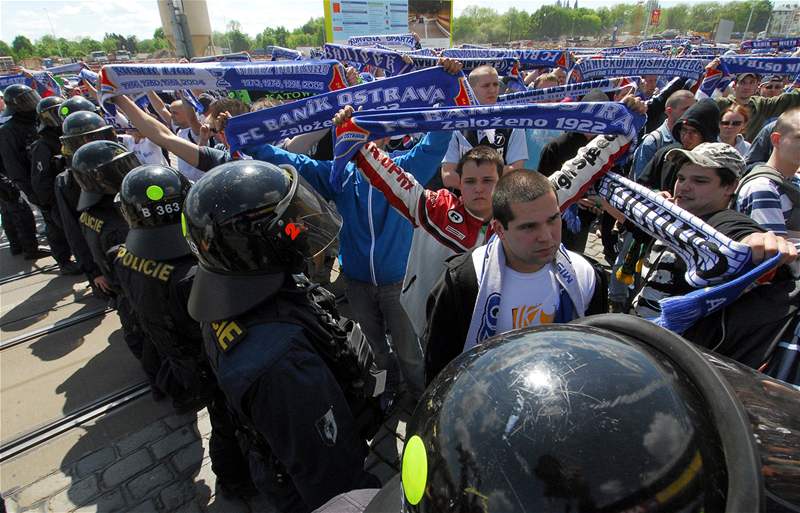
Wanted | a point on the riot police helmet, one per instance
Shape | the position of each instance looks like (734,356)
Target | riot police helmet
(76,104)
(251,224)
(20,98)
(81,127)
(578,418)
(47,110)
(99,167)
(151,199)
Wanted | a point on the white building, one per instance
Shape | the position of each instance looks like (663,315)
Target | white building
(785,20)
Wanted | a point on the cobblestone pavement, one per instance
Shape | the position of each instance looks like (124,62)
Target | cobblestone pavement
(165,467)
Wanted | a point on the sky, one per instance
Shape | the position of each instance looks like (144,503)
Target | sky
(93,18)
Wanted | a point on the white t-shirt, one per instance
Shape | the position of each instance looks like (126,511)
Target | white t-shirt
(517,148)
(146,150)
(531,299)
(187,170)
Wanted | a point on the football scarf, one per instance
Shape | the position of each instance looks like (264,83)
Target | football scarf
(365,126)
(607,85)
(424,88)
(788,43)
(589,69)
(404,40)
(279,52)
(527,58)
(285,76)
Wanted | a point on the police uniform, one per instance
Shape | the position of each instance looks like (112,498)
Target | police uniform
(98,167)
(67,193)
(46,164)
(251,225)
(16,134)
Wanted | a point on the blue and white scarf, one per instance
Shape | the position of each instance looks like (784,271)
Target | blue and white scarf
(527,58)
(73,67)
(279,52)
(788,43)
(393,64)
(661,43)
(406,40)
(285,76)
(606,85)
(616,50)
(424,88)
(225,57)
(621,66)
(711,257)
(595,118)
(717,80)
(18,78)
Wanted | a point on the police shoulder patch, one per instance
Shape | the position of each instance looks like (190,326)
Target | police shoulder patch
(228,334)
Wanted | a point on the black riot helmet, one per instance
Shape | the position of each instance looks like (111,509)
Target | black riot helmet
(76,104)
(47,110)
(99,167)
(20,98)
(579,418)
(251,223)
(151,200)
(81,127)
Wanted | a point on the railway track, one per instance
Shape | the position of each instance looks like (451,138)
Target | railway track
(49,431)
(25,274)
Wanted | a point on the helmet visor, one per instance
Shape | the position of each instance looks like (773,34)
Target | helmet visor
(25,102)
(50,117)
(71,143)
(308,220)
(107,179)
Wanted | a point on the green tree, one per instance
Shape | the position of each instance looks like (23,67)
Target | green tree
(23,48)
(5,50)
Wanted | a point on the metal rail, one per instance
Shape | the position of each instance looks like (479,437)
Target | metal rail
(57,326)
(47,432)
(25,274)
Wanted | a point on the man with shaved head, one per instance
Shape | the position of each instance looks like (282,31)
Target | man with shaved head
(509,143)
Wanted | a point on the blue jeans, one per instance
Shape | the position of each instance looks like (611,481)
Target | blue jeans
(376,309)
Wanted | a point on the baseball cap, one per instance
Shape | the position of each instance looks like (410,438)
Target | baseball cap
(770,78)
(710,154)
(741,76)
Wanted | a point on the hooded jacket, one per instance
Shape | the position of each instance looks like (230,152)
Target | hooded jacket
(660,174)
(375,239)
(704,117)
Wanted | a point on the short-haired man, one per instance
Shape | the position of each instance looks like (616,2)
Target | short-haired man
(771,85)
(678,103)
(523,277)
(509,143)
(770,192)
(761,109)
(444,224)
(706,180)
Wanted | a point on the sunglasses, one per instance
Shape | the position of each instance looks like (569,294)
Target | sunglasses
(731,123)
(772,86)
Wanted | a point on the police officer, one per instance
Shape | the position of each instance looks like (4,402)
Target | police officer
(155,269)
(67,191)
(252,225)
(46,163)
(76,104)
(99,167)
(609,413)
(17,132)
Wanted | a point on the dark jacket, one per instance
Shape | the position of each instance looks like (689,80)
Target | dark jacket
(16,136)
(452,302)
(660,174)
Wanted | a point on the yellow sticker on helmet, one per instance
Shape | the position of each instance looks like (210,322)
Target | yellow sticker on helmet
(414,473)
(154,192)
(184,229)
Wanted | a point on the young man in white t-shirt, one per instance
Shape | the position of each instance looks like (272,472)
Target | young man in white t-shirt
(523,278)
(146,150)
(511,144)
